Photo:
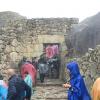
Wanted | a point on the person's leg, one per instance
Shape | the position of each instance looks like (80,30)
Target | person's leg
(41,78)
(31,95)
(52,73)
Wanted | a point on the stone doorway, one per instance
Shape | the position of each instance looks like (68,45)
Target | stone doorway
(52,53)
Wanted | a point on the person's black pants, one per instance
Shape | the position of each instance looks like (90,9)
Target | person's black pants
(42,77)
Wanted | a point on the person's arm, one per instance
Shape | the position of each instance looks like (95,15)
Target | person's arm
(66,85)
(76,88)
(11,90)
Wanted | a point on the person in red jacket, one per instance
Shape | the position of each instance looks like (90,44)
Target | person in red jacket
(27,67)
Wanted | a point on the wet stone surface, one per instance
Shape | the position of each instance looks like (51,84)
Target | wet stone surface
(49,92)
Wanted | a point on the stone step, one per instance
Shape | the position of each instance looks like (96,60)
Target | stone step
(50,82)
(51,89)
(64,98)
(39,84)
(49,93)
(56,98)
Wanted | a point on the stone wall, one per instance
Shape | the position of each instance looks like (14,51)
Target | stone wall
(90,66)
(25,37)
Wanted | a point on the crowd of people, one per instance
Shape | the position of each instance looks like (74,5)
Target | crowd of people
(20,86)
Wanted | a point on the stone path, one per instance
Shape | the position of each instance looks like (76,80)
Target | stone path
(50,90)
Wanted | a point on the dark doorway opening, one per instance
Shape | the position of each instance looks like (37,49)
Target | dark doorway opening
(52,54)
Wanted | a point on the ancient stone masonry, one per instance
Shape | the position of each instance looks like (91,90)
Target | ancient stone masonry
(25,37)
(43,25)
(90,65)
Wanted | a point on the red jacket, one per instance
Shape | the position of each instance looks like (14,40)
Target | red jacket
(30,69)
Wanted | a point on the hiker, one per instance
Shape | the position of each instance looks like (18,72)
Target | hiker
(77,89)
(53,67)
(22,62)
(96,90)
(42,70)
(35,62)
(27,67)
(17,87)
(3,89)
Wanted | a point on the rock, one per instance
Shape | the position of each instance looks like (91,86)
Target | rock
(18,48)
(14,43)
(8,49)
(13,64)
(13,34)
(19,29)
(1,48)
(90,50)
(13,56)
(1,42)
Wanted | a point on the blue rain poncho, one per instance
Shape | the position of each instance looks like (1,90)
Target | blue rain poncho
(78,90)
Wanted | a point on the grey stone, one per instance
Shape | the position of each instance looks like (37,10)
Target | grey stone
(7,49)
(13,56)
(1,42)
(14,43)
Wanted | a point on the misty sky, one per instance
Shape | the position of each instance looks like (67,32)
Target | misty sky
(52,8)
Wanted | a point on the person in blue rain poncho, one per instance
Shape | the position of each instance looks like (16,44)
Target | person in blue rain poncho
(77,89)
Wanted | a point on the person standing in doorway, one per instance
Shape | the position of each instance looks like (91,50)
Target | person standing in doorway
(42,70)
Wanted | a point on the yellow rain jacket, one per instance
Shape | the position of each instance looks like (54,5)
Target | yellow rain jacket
(96,90)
